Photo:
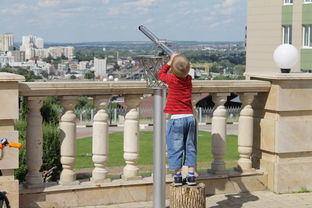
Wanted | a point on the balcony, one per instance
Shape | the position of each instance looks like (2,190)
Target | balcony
(273,139)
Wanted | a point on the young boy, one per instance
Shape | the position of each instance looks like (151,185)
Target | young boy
(181,130)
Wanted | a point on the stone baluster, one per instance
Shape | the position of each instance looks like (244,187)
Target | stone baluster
(100,139)
(34,142)
(218,131)
(68,140)
(245,132)
(131,137)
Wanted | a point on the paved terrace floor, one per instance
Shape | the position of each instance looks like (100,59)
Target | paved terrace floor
(260,199)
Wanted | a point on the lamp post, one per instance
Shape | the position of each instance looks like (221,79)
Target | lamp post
(285,57)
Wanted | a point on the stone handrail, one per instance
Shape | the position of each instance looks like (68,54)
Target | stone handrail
(133,87)
(132,91)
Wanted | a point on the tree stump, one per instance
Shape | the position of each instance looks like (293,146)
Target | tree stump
(187,196)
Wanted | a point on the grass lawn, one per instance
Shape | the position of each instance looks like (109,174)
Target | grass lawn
(115,155)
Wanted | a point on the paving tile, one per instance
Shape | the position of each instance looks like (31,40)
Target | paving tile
(260,199)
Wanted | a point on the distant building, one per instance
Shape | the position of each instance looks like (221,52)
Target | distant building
(68,52)
(55,52)
(39,42)
(100,65)
(41,53)
(6,42)
(19,56)
(32,41)
(83,65)
(271,23)
(62,67)
(6,58)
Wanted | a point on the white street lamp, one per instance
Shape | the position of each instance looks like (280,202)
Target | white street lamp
(286,56)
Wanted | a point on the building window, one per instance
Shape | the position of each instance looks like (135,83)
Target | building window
(308,1)
(307,36)
(287,36)
(288,2)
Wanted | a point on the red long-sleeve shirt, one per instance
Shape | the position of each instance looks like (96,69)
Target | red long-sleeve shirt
(179,99)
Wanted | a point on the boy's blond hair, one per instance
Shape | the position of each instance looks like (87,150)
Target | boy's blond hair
(180,66)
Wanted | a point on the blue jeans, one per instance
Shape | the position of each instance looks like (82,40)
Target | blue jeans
(181,139)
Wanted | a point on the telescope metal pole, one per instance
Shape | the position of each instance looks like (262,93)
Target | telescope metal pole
(159,177)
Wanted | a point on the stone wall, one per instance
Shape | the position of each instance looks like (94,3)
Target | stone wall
(9,156)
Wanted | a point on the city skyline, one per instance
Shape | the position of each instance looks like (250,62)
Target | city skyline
(75,21)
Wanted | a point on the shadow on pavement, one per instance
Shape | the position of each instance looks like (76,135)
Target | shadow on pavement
(236,200)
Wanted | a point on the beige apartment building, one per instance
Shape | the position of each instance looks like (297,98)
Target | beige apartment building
(6,42)
(273,22)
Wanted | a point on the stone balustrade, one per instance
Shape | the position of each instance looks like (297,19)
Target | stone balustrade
(132,91)
(274,138)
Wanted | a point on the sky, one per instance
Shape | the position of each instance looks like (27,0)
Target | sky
(72,21)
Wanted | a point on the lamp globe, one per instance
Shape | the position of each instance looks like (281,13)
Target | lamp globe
(285,57)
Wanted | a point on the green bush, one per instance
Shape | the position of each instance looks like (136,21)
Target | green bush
(51,110)
(20,173)
(51,149)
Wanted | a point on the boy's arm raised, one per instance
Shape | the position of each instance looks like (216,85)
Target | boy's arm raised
(162,74)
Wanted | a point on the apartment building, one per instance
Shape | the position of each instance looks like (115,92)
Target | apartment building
(274,22)
(100,67)
(6,42)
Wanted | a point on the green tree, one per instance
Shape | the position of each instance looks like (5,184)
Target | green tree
(44,74)
(48,59)
(51,110)
(84,103)
(89,75)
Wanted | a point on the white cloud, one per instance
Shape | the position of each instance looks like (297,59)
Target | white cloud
(113,11)
(227,7)
(218,24)
(142,10)
(182,4)
(75,9)
(105,1)
(49,3)
(226,3)
(149,20)
(16,9)
(227,11)
(140,3)
(141,6)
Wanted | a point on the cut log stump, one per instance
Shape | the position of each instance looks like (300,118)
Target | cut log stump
(187,196)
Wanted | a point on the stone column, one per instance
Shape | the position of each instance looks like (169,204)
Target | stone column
(218,131)
(285,131)
(9,86)
(245,132)
(34,142)
(100,139)
(131,137)
(68,140)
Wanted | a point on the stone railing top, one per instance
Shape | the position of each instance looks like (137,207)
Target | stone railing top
(280,76)
(9,77)
(134,87)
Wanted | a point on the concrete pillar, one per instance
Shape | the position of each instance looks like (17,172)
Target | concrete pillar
(131,137)
(9,156)
(34,143)
(218,131)
(245,132)
(68,140)
(285,131)
(100,139)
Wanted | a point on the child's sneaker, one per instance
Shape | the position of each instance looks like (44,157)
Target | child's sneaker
(177,181)
(191,180)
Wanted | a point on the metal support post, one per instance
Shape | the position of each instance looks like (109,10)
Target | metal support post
(159,177)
